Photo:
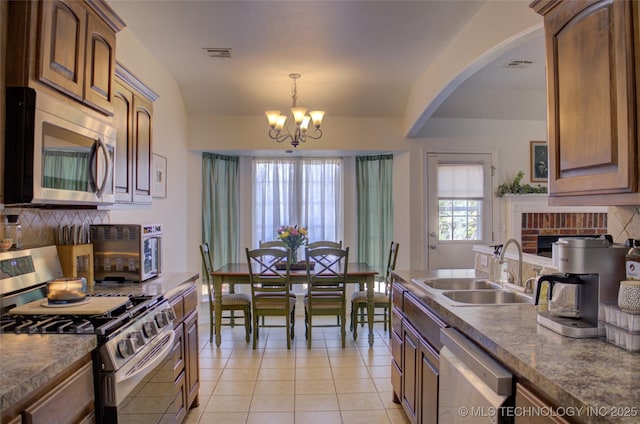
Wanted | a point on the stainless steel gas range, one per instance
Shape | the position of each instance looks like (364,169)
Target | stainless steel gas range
(135,335)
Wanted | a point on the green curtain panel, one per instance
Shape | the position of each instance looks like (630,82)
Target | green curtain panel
(374,186)
(66,170)
(220,190)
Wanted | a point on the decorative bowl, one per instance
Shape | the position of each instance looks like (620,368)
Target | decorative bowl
(629,296)
(5,244)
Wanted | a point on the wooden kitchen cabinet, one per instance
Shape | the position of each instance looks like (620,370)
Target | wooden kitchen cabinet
(410,364)
(69,398)
(527,400)
(185,351)
(67,45)
(133,118)
(593,89)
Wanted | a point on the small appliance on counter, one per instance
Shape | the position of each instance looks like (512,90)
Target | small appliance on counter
(590,271)
(126,252)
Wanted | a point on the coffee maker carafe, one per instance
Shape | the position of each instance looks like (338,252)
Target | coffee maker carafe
(590,271)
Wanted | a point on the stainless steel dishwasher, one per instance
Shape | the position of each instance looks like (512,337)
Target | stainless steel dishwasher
(474,387)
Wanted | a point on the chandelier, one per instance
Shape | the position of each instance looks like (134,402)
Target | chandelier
(282,130)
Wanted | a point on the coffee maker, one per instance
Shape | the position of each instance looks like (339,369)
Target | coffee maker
(590,272)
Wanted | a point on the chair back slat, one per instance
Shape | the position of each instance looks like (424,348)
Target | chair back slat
(273,243)
(329,269)
(264,273)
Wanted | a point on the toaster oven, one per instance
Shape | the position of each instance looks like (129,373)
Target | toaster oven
(126,252)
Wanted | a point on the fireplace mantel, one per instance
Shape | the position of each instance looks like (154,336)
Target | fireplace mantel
(517,204)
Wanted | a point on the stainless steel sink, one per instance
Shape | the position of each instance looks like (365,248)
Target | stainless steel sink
(461,284)
(487,297)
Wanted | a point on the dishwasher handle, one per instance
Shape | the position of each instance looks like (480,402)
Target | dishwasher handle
(492,373)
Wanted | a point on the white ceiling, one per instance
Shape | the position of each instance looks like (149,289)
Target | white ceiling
(357,58)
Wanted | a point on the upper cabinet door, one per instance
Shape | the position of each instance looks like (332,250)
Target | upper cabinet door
(100,65)
(142,126)
(62,46)
(122,118)
(591,101)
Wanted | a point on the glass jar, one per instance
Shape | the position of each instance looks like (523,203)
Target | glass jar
(13,231)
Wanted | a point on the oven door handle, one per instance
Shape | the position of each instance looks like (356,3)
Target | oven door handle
(153,362)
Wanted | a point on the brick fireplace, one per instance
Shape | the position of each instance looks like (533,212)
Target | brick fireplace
(536,224)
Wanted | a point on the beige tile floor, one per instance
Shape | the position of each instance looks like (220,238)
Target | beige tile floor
(325,384)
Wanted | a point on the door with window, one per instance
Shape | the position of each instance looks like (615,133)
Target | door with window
(459,205)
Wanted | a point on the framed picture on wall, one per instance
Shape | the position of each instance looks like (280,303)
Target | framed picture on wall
(539,162)
(159,177)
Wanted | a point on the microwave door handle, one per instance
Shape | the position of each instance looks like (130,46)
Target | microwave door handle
(92,169)
(107,170)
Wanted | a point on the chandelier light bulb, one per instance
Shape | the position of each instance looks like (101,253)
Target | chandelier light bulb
(272,117)
(304,126)
(298,114)
(280,122)
(316,117)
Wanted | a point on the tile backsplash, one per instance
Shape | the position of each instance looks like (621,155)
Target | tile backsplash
(38,225)
(623,222)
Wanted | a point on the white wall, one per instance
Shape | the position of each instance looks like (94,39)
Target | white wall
(169,140)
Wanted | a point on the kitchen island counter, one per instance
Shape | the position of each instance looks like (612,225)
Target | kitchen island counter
(597,381)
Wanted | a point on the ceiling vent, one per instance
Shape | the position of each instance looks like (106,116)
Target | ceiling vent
(218,52)
(518,64)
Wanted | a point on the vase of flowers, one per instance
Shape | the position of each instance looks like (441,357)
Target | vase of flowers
(294,237)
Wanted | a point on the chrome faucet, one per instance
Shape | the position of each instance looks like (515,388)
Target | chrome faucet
(501,260)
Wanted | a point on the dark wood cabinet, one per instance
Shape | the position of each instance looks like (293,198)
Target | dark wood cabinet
(62,46)
(66,45)
(186,365)
(410,368)
(528,400)
(100,63)
(593,75)
(133,119)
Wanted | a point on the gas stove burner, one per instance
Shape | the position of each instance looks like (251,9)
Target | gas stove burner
(47,325)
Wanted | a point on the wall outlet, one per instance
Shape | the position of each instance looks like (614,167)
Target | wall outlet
(484,260)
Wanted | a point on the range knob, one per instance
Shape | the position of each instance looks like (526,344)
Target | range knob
(126,348)
(149,329)
(161,319)
(137,339)
(171,314)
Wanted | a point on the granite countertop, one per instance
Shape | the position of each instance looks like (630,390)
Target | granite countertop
(600,382)
(167,284)
(27,361)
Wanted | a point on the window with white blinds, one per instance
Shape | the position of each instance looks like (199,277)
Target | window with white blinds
(460,201)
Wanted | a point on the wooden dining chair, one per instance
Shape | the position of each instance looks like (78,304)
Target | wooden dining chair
(270,289)
(381,299)
(326,282)
(230,301)
(324,243)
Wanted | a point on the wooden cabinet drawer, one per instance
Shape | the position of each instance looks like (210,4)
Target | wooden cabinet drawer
(190,300)
(178,307)
(68,402)
(397,295)
(424,320)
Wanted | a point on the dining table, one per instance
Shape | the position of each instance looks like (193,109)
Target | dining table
(238,273)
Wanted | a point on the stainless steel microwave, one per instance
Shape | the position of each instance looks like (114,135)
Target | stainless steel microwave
(126,252)
(55,153)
